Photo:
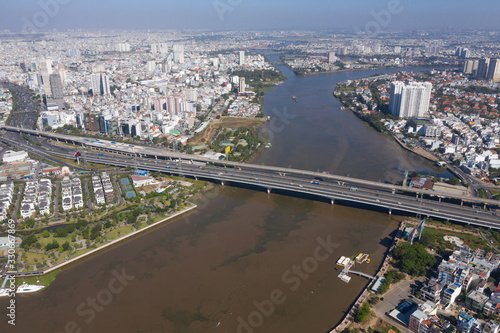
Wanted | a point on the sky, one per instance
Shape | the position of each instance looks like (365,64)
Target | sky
(369,15)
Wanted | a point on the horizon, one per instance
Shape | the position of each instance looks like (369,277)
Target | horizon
(227,15)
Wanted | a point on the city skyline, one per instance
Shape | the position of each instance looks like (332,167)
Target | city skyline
(361,15)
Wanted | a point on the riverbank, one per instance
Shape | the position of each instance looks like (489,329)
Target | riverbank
(111,243)
(428,156)
(351,313)
(363,69)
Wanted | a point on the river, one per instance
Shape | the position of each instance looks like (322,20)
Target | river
(251,261)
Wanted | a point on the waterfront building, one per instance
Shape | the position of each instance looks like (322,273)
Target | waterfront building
(410,100)
(331,57)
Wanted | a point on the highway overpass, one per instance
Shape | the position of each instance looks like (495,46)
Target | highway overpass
(334,188)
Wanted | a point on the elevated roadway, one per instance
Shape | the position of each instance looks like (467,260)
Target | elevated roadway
(334,188)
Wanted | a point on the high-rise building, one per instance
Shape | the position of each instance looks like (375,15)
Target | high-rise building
(462,52)
(173,102)
(411,100)
(494,70)
(136,129)
(122,47)
(45,67)
(470,67)
(154,48)
(397,49)
(56,86)
(242,58)
(100,84)
(331,57)
(482,69)
(150,65)
(242,85)
(343,50)
(178,53)
(163,48)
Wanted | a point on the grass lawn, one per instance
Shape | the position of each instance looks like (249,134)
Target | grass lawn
(119,232)
(42,279)
(60,240)
(439,243)
(30,258)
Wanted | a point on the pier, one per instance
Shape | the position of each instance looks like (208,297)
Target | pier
(347,263)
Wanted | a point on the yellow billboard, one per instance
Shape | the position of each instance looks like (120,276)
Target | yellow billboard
(228,149)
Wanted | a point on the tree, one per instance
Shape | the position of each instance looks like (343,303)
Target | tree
(362,313)
(454,181)
(413,259)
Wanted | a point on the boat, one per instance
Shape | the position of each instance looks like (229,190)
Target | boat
(217,324)
(294,98)
(362,257)
(4,292)
(268,118)
(29,288)
(340,261)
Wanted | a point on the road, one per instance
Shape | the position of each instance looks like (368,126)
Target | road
(285,180)
(391,299)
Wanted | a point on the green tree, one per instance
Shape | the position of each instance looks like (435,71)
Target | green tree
(413,259)
(362,313)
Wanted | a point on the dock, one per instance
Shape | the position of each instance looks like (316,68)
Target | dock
(347,263)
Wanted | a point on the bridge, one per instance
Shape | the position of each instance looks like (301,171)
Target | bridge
(313,185)
(363,275)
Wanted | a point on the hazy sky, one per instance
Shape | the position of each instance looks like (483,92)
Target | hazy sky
(248,14)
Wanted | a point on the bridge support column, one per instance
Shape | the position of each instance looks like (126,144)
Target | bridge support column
(484,207)
(222,183)
(462,203)
(416,196)
(390,211)
(268,191)
(439,199)
(332,202)
(393,191)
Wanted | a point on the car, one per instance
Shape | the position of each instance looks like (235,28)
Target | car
(377,200)
(315,182)
(399,203)
(301,186)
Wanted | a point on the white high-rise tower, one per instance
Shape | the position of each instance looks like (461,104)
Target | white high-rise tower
(410,101)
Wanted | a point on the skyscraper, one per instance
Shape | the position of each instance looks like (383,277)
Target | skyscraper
(242,85)
(242,58)
(482,68)
(331,57)
(178,53)
(150,65)
(100,84)
(494,70)
(45,67)
(56,86)
(410,101)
